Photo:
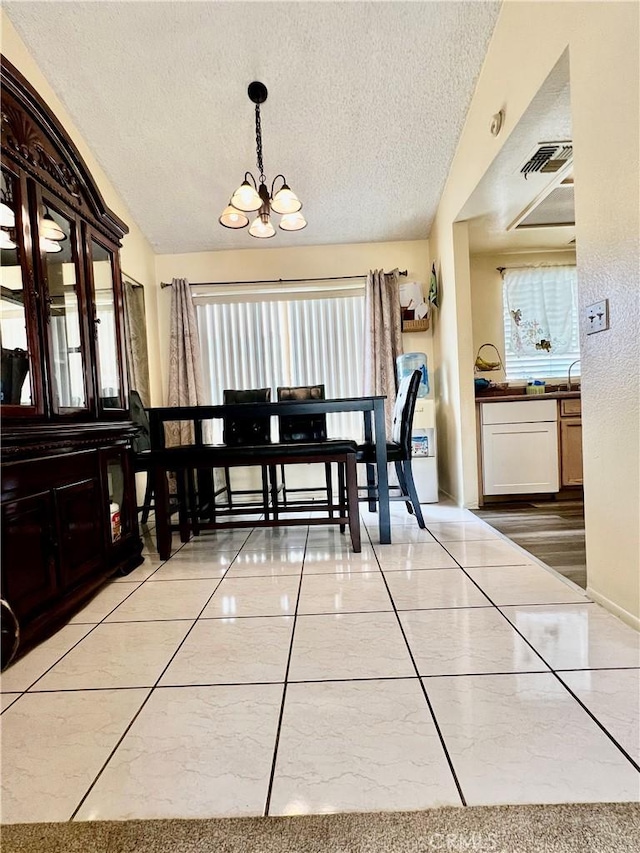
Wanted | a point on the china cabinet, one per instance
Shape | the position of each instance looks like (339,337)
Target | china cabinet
(68,494)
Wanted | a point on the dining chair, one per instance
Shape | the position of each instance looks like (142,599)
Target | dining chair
(241,432)
(140,445)
(398,449)
(304,428)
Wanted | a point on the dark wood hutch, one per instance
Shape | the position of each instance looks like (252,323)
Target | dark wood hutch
(69,516)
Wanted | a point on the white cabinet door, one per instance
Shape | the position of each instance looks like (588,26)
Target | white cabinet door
(520,458)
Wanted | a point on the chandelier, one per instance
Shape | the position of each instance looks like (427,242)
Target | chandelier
(252,195)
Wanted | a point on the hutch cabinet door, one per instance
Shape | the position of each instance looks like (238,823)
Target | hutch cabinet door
(65,316)
(20,388)
(79,510)
(28,547)
(108,317)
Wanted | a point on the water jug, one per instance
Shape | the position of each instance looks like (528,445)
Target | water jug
(411,361)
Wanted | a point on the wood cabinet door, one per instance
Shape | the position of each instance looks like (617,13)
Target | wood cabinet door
(520,459)
(571,451)
(29,580)
(80,520)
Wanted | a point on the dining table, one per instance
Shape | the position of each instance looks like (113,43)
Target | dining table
(371,406)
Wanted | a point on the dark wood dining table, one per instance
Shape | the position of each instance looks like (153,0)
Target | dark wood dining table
(372,408)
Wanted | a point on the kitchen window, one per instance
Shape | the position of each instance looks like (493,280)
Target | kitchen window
(541,330)
(306,337)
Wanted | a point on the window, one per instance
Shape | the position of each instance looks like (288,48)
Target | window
(304,340)
(541,331)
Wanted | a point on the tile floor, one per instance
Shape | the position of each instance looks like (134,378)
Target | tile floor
(277,672)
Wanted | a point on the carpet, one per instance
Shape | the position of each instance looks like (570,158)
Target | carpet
(599,828)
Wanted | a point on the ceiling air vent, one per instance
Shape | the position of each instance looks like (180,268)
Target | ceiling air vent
(547,158)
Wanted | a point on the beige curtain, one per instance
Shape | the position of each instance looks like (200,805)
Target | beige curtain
(382,337)
(135,325)
(186,387)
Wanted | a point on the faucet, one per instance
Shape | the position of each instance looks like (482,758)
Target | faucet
(577,361)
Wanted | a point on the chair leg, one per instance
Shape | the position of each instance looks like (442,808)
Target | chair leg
(273,476)
(408,474)
(341,495)
(284,485)
(265,493)
(352,498)
(403,485)
(163,518)
(183,509)
(227,483)
(148,497)
(192,497)
(371,486)
(329,481)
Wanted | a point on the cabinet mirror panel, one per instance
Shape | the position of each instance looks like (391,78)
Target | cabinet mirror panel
(109,389)
(58,248)
(16,384)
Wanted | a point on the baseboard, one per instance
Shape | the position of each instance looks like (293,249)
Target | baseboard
(612,607)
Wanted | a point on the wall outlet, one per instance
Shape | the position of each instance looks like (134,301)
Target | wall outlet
(596,317)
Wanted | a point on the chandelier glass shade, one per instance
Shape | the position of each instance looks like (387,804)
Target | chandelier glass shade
(252,195)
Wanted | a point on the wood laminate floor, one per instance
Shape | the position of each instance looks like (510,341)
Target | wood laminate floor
(553,531)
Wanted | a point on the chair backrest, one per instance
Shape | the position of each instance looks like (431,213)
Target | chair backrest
(296,428)
(237,432)
(140,418)
(403,411)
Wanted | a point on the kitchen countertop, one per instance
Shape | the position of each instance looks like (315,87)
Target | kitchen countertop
(507,395)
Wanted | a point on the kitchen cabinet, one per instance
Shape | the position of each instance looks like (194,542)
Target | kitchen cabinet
(519,447)
(571,443)
(66,432)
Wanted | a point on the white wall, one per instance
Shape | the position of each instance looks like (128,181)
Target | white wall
(603,40)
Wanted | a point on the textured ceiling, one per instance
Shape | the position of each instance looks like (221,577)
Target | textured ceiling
(366,105)
(503,193)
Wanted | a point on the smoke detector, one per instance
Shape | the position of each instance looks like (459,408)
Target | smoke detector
(547,158)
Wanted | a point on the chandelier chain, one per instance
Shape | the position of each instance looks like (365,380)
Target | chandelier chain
(259,144)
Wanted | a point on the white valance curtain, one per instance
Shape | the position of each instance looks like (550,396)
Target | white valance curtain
(542,303)
(540,321)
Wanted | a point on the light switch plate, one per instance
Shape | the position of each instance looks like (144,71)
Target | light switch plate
(597,317)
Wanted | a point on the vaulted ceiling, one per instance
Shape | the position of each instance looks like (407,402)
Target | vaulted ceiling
(366,104)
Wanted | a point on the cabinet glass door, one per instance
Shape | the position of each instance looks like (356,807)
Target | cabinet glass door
(109,385)
(16,388)
(58,248)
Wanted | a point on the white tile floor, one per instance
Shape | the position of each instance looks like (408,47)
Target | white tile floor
(277,672)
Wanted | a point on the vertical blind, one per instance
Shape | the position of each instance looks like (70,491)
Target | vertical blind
(541,329)
(270,343)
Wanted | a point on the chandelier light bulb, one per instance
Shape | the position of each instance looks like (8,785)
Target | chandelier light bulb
(246,198)
(7,216)
(286,201)
(261,227)
(293,222)
(5,241)
(233,218)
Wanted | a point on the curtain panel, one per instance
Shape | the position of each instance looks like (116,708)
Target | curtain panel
(135,326)
(382,337)
(186,387)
